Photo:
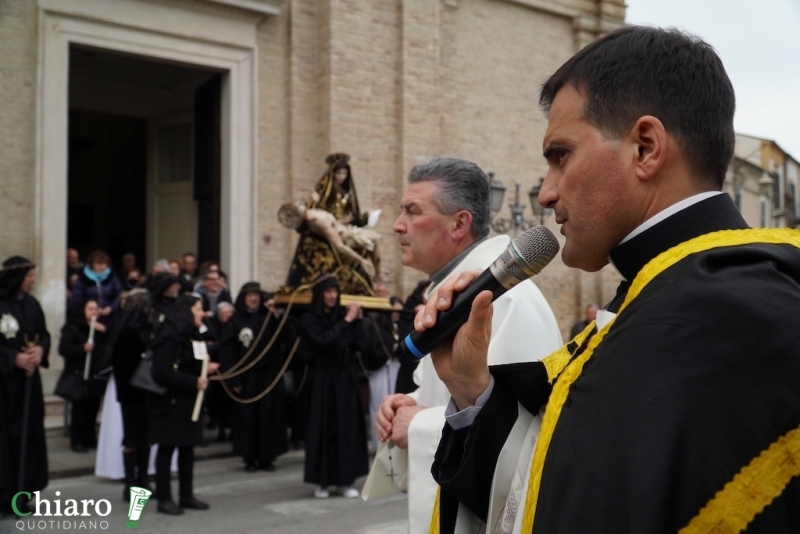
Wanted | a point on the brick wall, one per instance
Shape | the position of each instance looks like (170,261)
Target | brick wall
(17,127)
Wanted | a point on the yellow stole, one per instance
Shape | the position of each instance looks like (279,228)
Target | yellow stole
(738,503)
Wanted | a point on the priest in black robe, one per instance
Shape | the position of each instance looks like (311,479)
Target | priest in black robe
(336,435)
(253,339)
(678,408)
(24,347)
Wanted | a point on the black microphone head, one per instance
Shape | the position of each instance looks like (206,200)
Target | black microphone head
(537,247)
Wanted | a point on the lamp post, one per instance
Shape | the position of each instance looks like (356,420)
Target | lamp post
(517,221)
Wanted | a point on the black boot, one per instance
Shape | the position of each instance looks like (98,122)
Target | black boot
(142,463)
(129,459)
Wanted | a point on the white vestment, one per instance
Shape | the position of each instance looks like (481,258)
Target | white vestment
(108,462)
(524,329)
(382,382)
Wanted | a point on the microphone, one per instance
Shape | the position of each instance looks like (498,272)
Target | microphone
(525,256)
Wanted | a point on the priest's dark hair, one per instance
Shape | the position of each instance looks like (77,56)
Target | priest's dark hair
(462,186)
(676,77)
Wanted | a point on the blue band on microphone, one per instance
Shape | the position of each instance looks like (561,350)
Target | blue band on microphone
(414,350)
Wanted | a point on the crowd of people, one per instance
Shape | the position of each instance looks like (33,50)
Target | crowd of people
(260,401)
(672,408)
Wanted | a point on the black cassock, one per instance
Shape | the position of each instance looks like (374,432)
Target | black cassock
(698,376)
(21,319)
(259,428)
(336,435)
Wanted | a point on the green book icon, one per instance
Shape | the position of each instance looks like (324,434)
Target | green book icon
(139,497)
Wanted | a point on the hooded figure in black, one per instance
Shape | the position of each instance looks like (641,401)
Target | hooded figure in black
(74,348)
(171,425)
(259,428)
(164,289)
(336,437)
(24,346)
(128,340)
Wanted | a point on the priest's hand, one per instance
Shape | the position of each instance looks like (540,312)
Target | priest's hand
(461,362)
(387,412)
(400,423)
(213,367)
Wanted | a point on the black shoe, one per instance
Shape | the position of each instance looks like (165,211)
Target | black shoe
(126,493)
(80,448)
(250,467)
(169,507)
(269,466)
(193,504)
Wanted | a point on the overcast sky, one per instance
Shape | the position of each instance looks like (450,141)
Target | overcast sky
(759,43)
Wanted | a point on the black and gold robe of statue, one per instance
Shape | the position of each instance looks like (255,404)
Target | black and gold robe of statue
(696,378)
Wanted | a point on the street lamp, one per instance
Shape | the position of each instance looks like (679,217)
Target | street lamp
(517,221)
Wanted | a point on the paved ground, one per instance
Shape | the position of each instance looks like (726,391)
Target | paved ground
(241,503)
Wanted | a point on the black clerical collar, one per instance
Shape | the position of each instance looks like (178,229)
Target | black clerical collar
(709,215)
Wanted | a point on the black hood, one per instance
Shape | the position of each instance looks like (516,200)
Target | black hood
(14,271)
(317,300)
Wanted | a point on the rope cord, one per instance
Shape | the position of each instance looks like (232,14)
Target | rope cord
(234,371)
(270,387)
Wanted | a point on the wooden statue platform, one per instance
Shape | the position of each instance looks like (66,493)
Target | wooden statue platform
(304,299)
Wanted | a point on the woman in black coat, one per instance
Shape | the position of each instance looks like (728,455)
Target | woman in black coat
(336,436)
(171,425)
(127,341)
(73,347)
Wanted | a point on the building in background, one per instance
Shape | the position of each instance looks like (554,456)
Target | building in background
(161,126)
(763,182)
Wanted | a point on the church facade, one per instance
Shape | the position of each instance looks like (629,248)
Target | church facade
(161,126)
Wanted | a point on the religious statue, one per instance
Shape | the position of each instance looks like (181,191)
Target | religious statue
(333,237)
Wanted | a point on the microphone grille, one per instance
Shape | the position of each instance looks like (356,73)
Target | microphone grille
(537,246)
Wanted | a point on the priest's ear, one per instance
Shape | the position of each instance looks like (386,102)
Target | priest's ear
(649,140)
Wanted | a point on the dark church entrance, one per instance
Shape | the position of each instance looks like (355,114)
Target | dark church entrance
(144,166)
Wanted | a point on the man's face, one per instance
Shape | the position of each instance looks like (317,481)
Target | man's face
(423,232)
(211,281)
(72,257)
(189,263)
(590,313)
(27,282)
(589,184)
(329,297)
(252,300)
(128,262)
